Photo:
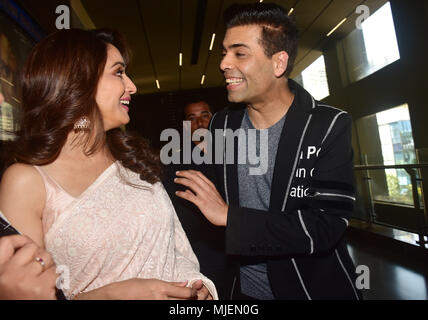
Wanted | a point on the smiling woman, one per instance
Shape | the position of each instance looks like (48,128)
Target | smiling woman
(114,91)
(94,199)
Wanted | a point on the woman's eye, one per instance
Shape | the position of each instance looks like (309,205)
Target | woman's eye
(120,73)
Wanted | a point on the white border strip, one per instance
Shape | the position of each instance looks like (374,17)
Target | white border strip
(347,274)
(224,160)
(331,125)
(290,180)
(306,231)
(301,281)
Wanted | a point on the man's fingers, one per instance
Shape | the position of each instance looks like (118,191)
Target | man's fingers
(195,179)
(189,196)
(204,178)
(190,184)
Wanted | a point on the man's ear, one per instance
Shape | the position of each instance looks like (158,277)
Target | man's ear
(280,63)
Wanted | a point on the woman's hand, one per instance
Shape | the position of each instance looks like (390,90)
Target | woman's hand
(22,277)
(202,291)
(142,289)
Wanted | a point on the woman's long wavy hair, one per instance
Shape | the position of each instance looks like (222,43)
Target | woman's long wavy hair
(59,87)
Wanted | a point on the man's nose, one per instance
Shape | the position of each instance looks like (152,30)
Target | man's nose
(225,64)
(199,122)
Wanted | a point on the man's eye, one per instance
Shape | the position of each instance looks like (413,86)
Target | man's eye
(238,54)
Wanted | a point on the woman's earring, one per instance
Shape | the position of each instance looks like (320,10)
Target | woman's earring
(83,124)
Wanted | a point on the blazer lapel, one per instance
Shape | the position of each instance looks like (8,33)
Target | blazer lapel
(288,146)
(234,123)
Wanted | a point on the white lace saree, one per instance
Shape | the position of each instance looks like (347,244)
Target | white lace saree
(115,231)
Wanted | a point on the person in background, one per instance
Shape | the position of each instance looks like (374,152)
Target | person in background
(199,114)
(206,240)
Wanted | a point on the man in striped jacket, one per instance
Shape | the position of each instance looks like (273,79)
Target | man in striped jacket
(285,219)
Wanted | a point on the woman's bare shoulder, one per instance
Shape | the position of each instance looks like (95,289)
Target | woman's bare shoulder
(23,183)
(22,200)
(22,176)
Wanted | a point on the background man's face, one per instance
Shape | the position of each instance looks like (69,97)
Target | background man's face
(248,71)
(198,114)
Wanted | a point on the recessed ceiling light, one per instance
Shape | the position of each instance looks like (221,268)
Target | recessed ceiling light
(212,41)
(180,60)
(336,27)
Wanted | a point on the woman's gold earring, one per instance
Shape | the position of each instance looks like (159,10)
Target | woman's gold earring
(83,124)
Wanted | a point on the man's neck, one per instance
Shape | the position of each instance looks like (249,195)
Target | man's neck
(265,114)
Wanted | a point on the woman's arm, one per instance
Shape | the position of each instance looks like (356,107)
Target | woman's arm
(187,262)
(141,289)
(22,199)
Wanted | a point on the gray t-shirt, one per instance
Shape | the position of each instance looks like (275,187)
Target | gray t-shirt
(254,193)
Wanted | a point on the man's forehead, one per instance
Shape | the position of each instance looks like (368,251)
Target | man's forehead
(197,106)
(245,35)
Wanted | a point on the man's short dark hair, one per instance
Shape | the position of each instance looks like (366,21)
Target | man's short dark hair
(189,102)
(279,30)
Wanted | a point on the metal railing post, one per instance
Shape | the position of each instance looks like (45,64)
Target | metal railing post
(421,228)
(372,214)
(424,218)
(413,170)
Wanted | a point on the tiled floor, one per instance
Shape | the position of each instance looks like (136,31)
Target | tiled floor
(391,277)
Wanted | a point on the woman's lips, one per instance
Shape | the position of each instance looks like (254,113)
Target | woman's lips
(125,103)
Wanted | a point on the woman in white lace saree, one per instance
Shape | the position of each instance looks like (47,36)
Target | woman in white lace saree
(85,189)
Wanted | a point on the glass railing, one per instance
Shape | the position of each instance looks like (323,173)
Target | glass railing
(393,196)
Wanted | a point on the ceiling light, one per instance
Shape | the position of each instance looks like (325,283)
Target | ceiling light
(291,11)
(180,60)
(203,80)
(157,84)
(261,0)
(334,29)
(212,42)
